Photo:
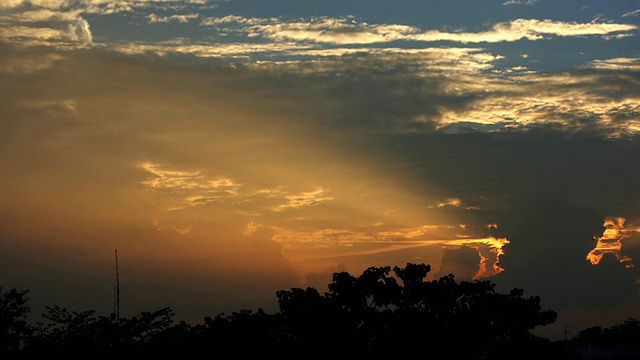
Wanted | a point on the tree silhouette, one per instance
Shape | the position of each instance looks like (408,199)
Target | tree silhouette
(75,333)
(621,341)
(13,319)
(376,313)
(382,312)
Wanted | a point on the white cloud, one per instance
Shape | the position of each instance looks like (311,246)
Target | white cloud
(530,29)
(234,19)
(520,2)
(344,31)
(71,34)
(93,5)
(632,64)
(46,27)
(335,31)
(184,18)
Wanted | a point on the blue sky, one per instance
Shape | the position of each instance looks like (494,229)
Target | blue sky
(230,149)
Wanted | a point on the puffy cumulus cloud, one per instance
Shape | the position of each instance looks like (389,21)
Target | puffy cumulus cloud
(46,27)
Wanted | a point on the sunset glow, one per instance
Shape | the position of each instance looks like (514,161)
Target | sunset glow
(229,148)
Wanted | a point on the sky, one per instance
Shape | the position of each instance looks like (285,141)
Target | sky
(231,149)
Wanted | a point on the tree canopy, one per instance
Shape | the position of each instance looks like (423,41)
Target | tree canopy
(382,312)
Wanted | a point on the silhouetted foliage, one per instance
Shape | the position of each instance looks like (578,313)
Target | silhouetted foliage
(621,341)
(382,312)
(76,333)
(376,313)
(13,319)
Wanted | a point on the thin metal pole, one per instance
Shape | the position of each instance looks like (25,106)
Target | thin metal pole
(117,294)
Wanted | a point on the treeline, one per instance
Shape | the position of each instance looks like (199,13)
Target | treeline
(375,314)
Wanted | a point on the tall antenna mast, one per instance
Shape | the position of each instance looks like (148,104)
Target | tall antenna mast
(117,292)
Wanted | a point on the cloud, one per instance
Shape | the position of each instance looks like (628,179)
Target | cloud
(470,98)
(309,198)
(554,236)
(631,64)
(348,31)
(192,186)
(96,6)
(62,23)
(355,147)
(588,101)
(450,202)
(530,29)
(483,257)
(228,51)
(222,22)
(520,2)
(46,27)
(335,31)
(184,18)
(53,108)
(610,243)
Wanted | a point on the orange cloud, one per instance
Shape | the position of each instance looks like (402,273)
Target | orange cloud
(611,242)
(489,250)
